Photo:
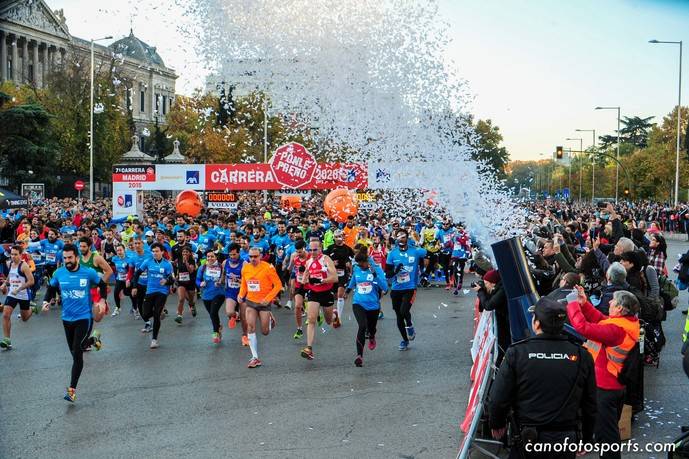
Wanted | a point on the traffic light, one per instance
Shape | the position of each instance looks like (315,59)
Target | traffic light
(559,153)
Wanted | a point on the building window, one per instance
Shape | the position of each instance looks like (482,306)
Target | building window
(9,69)
(31,73)
(142,101)
(164,105)
(157,103)
(142,143)
(128,97)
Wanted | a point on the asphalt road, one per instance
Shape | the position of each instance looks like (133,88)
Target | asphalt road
(190,398)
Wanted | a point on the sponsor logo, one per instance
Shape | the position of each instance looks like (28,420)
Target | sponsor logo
(351,176)
(83,282)
(125,200)
(552,356)
(192,178)
(382,176)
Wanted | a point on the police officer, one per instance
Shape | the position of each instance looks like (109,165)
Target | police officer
(545,380)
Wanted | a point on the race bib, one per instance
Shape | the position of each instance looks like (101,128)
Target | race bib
(184,277)
(403,277)
(15,283)
(36,256)
(253,285)
(364,288)
(143,277)
(340,273)
(50,257)
(233,282)
(213,273)
(121,276)
(447,238)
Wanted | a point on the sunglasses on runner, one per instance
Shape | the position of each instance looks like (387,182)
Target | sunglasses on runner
(254,256)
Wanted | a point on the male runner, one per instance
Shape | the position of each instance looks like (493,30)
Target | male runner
(430,242)
(78,313)
(52,250)
(341,255)
(185,271)
(319,277)
(260,285)
(17,287)
(94,260)
(296,266)
(232,273)
(138,288)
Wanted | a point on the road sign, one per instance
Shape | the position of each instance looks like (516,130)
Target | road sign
(292,165)
(78,185)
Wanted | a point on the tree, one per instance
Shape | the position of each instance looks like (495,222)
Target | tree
(487,146)
(635,130)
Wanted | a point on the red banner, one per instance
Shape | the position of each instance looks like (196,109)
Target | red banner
(134,174)
(261,177)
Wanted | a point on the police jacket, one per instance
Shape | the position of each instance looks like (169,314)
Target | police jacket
(545,379)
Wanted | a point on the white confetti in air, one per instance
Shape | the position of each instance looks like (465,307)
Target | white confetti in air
(466,290)
(145,132)
(434,316)
(444,305)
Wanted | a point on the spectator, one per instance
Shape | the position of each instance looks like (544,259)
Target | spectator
(491,296)
(616,277)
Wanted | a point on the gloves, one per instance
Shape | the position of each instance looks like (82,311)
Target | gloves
(314,280)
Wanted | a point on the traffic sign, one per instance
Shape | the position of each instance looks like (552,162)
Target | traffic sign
(292,165)
(78,185)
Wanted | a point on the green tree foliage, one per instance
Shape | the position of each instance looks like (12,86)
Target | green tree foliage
(487,147)
(635,130)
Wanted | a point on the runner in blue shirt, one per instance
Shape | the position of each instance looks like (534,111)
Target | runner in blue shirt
(160,278)
(209,280)
(138,287)
(122,270)
(402,265)
(78,314)
(52,252)
(232,275)
(369,284)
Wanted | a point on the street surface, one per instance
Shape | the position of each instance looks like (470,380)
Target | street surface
(190,398)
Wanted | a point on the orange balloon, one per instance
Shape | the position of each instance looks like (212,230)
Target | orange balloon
(340,204)
(189,203)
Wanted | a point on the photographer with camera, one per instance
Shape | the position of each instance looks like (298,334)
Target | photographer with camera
(546,381)
(491,297)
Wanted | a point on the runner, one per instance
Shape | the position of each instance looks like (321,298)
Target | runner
(403,267)
(52,251)
(319,277)
(296,266)
(446,235)
(123,267)
(94,260)
(260,285)
(341,255)
(232,273)
(461,251)
(369,284)
(138,287)
(78,310)
(185,269)
(209,279)
(430,242)
(379,252)
(17,287)
(160,278)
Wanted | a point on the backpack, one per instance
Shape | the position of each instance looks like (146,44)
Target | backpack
(668,292)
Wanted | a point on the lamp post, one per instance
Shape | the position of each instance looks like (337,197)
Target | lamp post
(581,149)
(679,112)
(617,166)
(593,163)
(91,116)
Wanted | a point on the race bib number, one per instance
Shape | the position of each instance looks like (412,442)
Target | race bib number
(403,277)
(447,238)
(184,277)
(121,276)
(213,273)
(253,285)
(36,256)
(364,288)
(15,283)
(233,282)
(50,257)
(340,273)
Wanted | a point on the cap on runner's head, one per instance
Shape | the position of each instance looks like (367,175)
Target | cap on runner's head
(149,233)
(338,233)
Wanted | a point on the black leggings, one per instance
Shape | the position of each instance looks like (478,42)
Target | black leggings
(120,286)
(402,301)
(432,263)
(138,300)
(458,265)
(153,306)
(78,338)
(213,307)
(444,259)
(367,321)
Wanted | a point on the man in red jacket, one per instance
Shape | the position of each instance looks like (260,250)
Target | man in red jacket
(610,339)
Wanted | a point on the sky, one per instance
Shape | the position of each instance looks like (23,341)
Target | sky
(537,68)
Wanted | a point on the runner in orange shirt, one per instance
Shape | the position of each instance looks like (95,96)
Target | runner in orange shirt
(260,285)
(351,232)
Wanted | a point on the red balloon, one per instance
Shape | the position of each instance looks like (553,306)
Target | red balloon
(340,204)
(189,203)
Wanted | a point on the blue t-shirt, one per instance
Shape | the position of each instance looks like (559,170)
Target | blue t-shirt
(121,267)
(75,291)
(408,276)
(52,251)
(261,243)
(34,250)
(138,261)
(210,275)
(157,270)
(205,242)
(367,285)
(68,229)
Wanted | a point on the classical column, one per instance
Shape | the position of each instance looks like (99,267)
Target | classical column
(14,41)
(25,60)
(3,56)
(37,80)
(44,67)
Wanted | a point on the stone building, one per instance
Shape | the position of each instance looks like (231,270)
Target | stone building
(34,39)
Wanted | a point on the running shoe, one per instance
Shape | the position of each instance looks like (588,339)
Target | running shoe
(411,334)
(216,338)
(131,312)
(456,292)
(299,334)
(381,315)
(96,335)
(6,344)
(137,316)
(372,343)
(154,344)
(233,321)
(178,319)
(336,320)
(307,353)
(193,311)
(245,341)
(116,312)
(359,361)
(288,305)
(70,395)
(404,345)
(147,327)
(254,362)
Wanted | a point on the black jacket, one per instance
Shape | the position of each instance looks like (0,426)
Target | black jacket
(535,380)
(497,301)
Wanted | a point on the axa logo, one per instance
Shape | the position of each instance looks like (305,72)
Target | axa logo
(552,356)
(192,178)
(124,200)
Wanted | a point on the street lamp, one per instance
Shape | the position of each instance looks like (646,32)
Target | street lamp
(91,116)
(679,113)
(581,148)
(617,166)
(593,164)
